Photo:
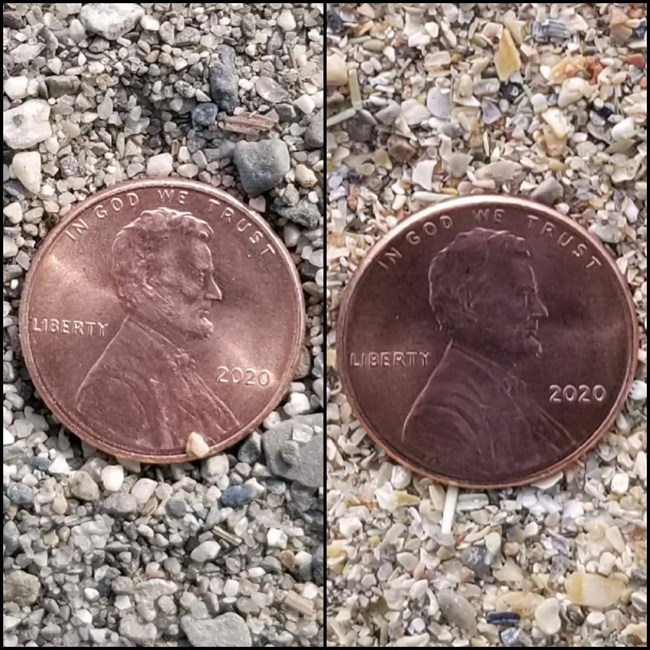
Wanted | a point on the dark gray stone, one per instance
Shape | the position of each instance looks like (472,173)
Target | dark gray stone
(21,494)
(224,80)
(10,535)
(476,558)
(251,449)
(60,85)
(315,134)
(261,165)
(305,213)
(176,508)
(205,113)
(307,462)
(68,166)
(318,565)
(237,495)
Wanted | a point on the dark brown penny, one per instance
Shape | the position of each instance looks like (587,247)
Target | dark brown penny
(159,309)
(487,342)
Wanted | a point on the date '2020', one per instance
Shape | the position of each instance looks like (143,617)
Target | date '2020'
(581,394)
(243,376)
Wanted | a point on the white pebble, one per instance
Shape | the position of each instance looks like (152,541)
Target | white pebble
(493,543)
(16,87)
(206,551)
(160,165)
(349,525)
(639,390)
(286,21)
(620,483)
(624,130)
(595,619)
(400,477)
(297,405)
(547,616)
(59,466)
(305,177)
(149,23)
(276,538)
(143,489)
(113,477)
(573,90)
(27,167)
(306,104)
(423,174)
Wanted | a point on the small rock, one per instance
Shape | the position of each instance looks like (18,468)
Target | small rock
(9,247)
(476,558)
(224,80)
(149,24)
(595,619)
(506,58)
(26,125)
(590,590)
(205,113)
(276,538)
(457,610)
(314,135)
(83,487)
(120,504)
(306,104)
(439,102)
(493,543)
(16,87)
(305,177)
(134,630)
(318,565)
(160,165)
(337,70)
(414,112)
(624,130)
(215,467)
(68,166)
(286,21)
(12,19)
(261,165)
(27,167)
(304,212)
(399,149)
(515,637)
(620,483)
(110,20)
(270,90)
(251,449)
(573,89)
(638,390)
(112,477)
(224,631)
(556,119)
(20,494)
(176,508)
(143,490)
(237,495)
(548,191)
(547,616)
(298,404)
(21,588)
(60,85)
(206,551)
(500,171)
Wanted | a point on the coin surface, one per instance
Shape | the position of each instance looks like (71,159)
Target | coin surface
(487,342)
(159,309)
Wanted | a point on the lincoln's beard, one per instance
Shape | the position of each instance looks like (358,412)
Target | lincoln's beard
(169,317)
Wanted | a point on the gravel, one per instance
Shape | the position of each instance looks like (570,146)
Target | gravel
(98,551)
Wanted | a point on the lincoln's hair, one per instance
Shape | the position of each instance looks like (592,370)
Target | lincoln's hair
(138,247)
(459,273)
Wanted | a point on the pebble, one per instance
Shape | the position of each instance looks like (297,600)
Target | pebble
(120,504)
(224,80)
(306,104)
(493,543)
(515,637)
(251,449)
(9,247)
(143,490)
(573,90)
(149,23)
(547,616)
(20,494)
(286,21)
(134,630)
(112,477)
(457,610)
(595,619)
(21,588)
(620,483)
(59,85)
(227,630)
(305,177)
(399,149)
(215,467)
(83,487)
(261,165)
(556,119)
(439,102)
(206,551)
(297,405)
(270,90)
(304,213)
(276,538)
(400,477)
(237,495)
(110,20)
(336,70)
(205,113)
(624,130)
(590,590)
(16,87)
(478,559)
(548,192)
(314,135)
(160,165)
(639,390)
(26,125)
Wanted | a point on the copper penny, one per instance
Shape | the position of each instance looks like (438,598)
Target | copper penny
(487,342)
(159,309)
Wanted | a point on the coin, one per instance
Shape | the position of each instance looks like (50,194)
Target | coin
(161,320)
(487,342)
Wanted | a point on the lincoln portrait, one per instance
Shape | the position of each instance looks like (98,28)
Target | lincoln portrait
(474,408)
(145,387)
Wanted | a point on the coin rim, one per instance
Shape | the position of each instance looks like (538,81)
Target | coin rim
(463,203)
(53,403)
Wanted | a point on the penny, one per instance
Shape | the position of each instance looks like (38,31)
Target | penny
(161,320)
(487,342)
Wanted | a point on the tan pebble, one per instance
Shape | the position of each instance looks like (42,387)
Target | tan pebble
(506,58)
(197,446)
(337,72)
(547,616)
(591,590)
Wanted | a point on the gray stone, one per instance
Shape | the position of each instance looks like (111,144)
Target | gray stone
(548,191)
(120,504)
(248,24)
(9,247)
(60,85)
(271,564)
(12,19)
(305,213)
(457,610)
(515,637)
(134,630)
(188,36)
(20,494)
(318,565)
(270,91)
(476,558)
(83,487)
(251,449)
(10,537)
(68,166)
(21,588)
(261,165)
(110,19)
(237,495)
(224,80)
(26,125)
(176,508)
(225,631)
(315,133)
(307,457)
(205,113)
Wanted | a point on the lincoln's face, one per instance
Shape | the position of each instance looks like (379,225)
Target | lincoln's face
(181,288)
(510,308)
